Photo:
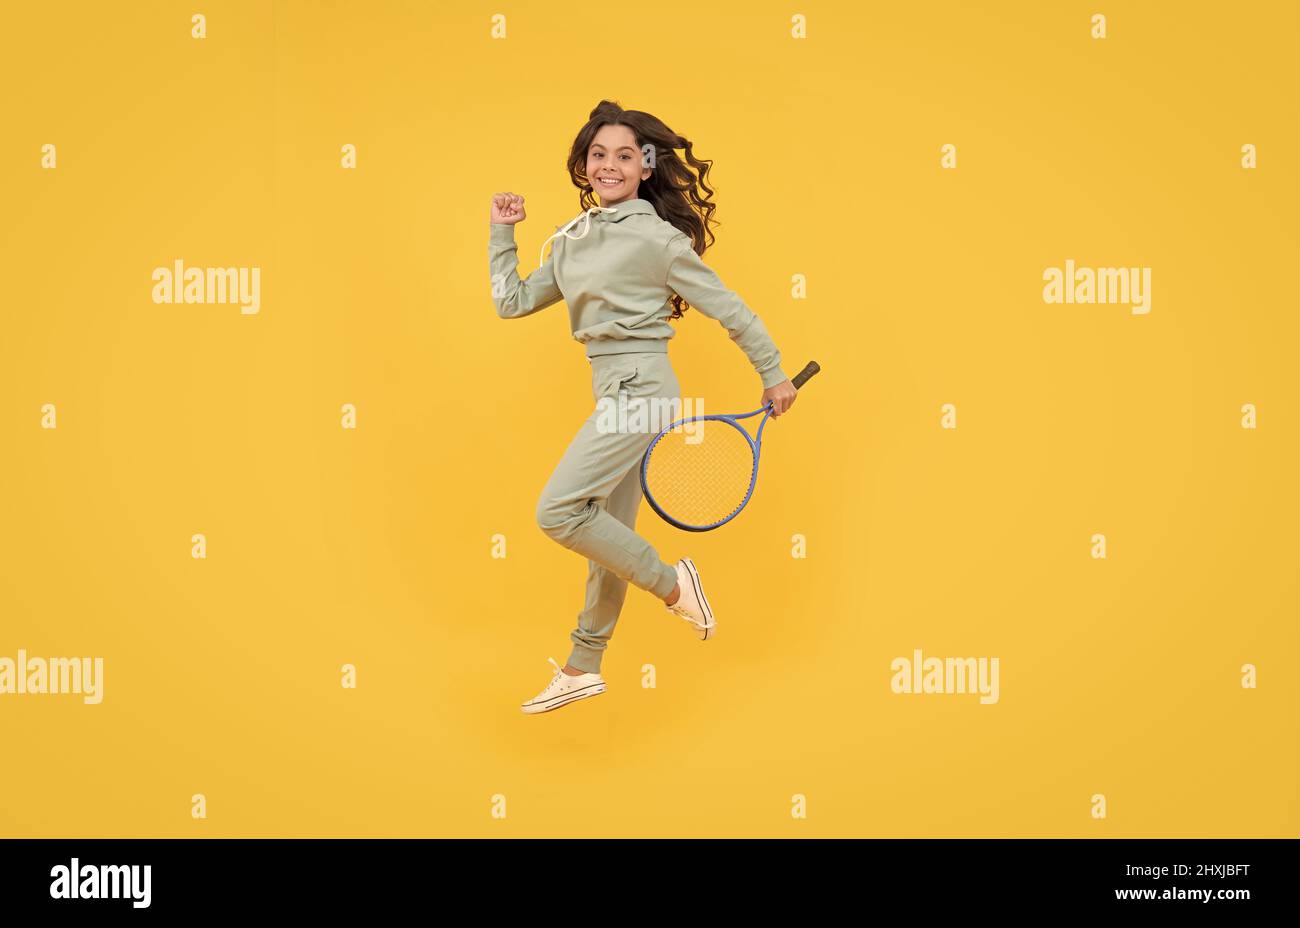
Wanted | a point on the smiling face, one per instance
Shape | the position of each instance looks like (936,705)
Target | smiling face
(614,165)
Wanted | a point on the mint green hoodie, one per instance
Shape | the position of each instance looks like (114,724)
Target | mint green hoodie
(617,275)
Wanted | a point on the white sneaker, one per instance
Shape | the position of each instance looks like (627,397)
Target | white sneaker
(565,688)
(691,604)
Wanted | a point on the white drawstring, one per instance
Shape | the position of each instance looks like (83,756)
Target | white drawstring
(576,219)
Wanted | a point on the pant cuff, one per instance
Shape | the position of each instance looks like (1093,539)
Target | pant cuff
(667,581)
(585,659)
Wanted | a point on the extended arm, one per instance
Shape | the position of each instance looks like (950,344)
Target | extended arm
(694,281)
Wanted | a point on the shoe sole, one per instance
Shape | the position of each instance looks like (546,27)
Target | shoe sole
(594,689)
(706,633)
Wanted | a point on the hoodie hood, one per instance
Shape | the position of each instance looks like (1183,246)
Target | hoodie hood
(627,208)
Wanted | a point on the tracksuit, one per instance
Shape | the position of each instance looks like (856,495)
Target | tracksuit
(617,274)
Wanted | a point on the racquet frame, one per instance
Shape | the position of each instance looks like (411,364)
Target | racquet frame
(755,447)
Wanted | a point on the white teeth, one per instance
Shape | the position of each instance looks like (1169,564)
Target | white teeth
(609,183)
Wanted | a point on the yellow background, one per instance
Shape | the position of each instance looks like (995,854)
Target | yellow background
(372,547)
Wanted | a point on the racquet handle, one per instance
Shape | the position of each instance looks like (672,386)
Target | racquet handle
(805,375)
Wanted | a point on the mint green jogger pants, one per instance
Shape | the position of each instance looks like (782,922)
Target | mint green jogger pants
(590,503)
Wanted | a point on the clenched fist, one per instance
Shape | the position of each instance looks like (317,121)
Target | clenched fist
(507,209)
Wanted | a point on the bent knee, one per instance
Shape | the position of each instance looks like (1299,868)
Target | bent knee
(559,519)
(552,516)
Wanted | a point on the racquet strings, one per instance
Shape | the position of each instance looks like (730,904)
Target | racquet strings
(700,475)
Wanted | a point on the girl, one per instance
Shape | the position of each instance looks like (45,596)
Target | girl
(631,266)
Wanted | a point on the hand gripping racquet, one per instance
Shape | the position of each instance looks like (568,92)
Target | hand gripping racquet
(699,478)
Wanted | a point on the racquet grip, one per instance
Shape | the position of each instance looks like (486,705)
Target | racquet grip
(805,375)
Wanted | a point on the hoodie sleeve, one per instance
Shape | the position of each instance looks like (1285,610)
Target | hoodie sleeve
(511,296)
(694,281)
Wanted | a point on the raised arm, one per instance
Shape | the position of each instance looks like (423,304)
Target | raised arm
(512,296)
(694,281)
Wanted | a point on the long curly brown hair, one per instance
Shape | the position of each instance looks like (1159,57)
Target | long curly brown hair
(679,195)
